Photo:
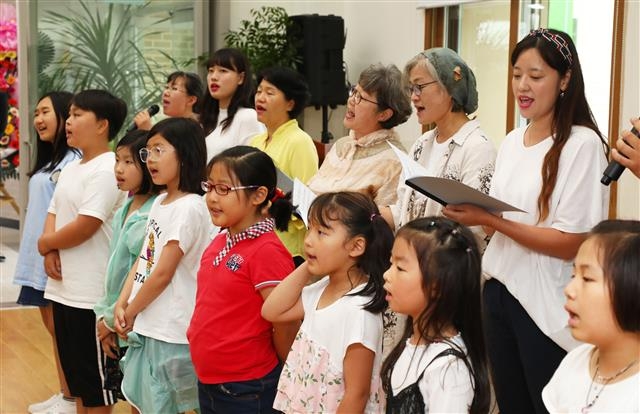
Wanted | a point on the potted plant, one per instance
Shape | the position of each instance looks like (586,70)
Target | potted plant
(268,39)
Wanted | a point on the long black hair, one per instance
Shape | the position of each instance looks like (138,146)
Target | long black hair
(571,106)
(449,261)
(50,154)
(361,217)
(235,60)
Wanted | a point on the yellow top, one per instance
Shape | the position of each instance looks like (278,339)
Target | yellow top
(294,153)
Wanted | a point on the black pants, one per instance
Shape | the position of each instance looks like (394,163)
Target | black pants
(522,358)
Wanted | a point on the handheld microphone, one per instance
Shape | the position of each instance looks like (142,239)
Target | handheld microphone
(153,109)
(614,169)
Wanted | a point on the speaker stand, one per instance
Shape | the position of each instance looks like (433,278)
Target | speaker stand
(326,135)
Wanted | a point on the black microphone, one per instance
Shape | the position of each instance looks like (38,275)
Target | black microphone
(153,109)
(614,169)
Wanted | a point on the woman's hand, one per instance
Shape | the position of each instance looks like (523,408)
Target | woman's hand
(627,151)
(143,120)
(469,215)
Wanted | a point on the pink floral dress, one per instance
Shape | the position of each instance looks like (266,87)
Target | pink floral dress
(312,380)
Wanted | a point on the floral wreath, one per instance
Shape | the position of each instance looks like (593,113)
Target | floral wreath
(10,136)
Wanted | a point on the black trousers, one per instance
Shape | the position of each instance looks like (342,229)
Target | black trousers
(522,358)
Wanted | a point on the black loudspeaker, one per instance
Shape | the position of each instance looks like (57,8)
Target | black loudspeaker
(320,41)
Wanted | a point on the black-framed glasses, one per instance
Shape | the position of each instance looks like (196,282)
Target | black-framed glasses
(153,153)
(357,97)
(417,88)
(223,189)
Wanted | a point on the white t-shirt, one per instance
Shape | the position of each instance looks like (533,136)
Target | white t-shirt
(578,202)
(446,386)
(186,220)
(567,390)
(312,379)
(88,189)
(245,126)
(320,324)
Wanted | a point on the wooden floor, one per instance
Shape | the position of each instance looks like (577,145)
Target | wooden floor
(27,368)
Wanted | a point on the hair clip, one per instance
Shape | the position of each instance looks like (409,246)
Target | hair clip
(373,215)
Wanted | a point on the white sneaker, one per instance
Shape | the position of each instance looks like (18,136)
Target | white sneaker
(61,406)
(42,405)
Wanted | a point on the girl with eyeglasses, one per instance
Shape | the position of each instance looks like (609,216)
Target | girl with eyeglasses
(237,353)
(227,115)
(443,91)
(551,169)
(157,300)
(181,98)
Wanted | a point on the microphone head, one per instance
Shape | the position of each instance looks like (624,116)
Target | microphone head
(153,109)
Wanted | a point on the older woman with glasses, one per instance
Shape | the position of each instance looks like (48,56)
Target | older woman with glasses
(363,161)
(181,98)
(443,91)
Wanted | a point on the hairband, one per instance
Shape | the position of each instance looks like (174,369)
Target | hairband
(558,41)
(277,194)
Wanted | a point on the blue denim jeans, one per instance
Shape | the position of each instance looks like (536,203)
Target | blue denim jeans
(245,397)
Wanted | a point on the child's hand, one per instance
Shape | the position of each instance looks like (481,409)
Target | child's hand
(110,345)
(43,249)
(103,330)
(52,265)
(120,321)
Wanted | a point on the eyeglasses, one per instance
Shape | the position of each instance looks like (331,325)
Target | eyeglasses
(154,153)
(417,89)
(357,97)
(173,88)
(223,189)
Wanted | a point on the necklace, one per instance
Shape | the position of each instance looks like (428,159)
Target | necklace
(604,381)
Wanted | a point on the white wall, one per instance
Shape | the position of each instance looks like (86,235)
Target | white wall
(377,31)
(393,32)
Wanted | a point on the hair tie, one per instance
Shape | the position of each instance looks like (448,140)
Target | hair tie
(277,194)
(373,215)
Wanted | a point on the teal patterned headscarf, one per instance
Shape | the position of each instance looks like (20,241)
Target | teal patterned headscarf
(456,76)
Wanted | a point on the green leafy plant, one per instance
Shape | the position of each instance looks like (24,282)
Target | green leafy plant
(268,39)
(100,50)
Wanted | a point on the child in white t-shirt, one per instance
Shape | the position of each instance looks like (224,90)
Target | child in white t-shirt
(440,365)
(334,362)
(157,300)
(75,242)
(602,301)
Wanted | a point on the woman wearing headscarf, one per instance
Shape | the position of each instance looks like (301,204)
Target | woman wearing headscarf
(443,91)
(363,161)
